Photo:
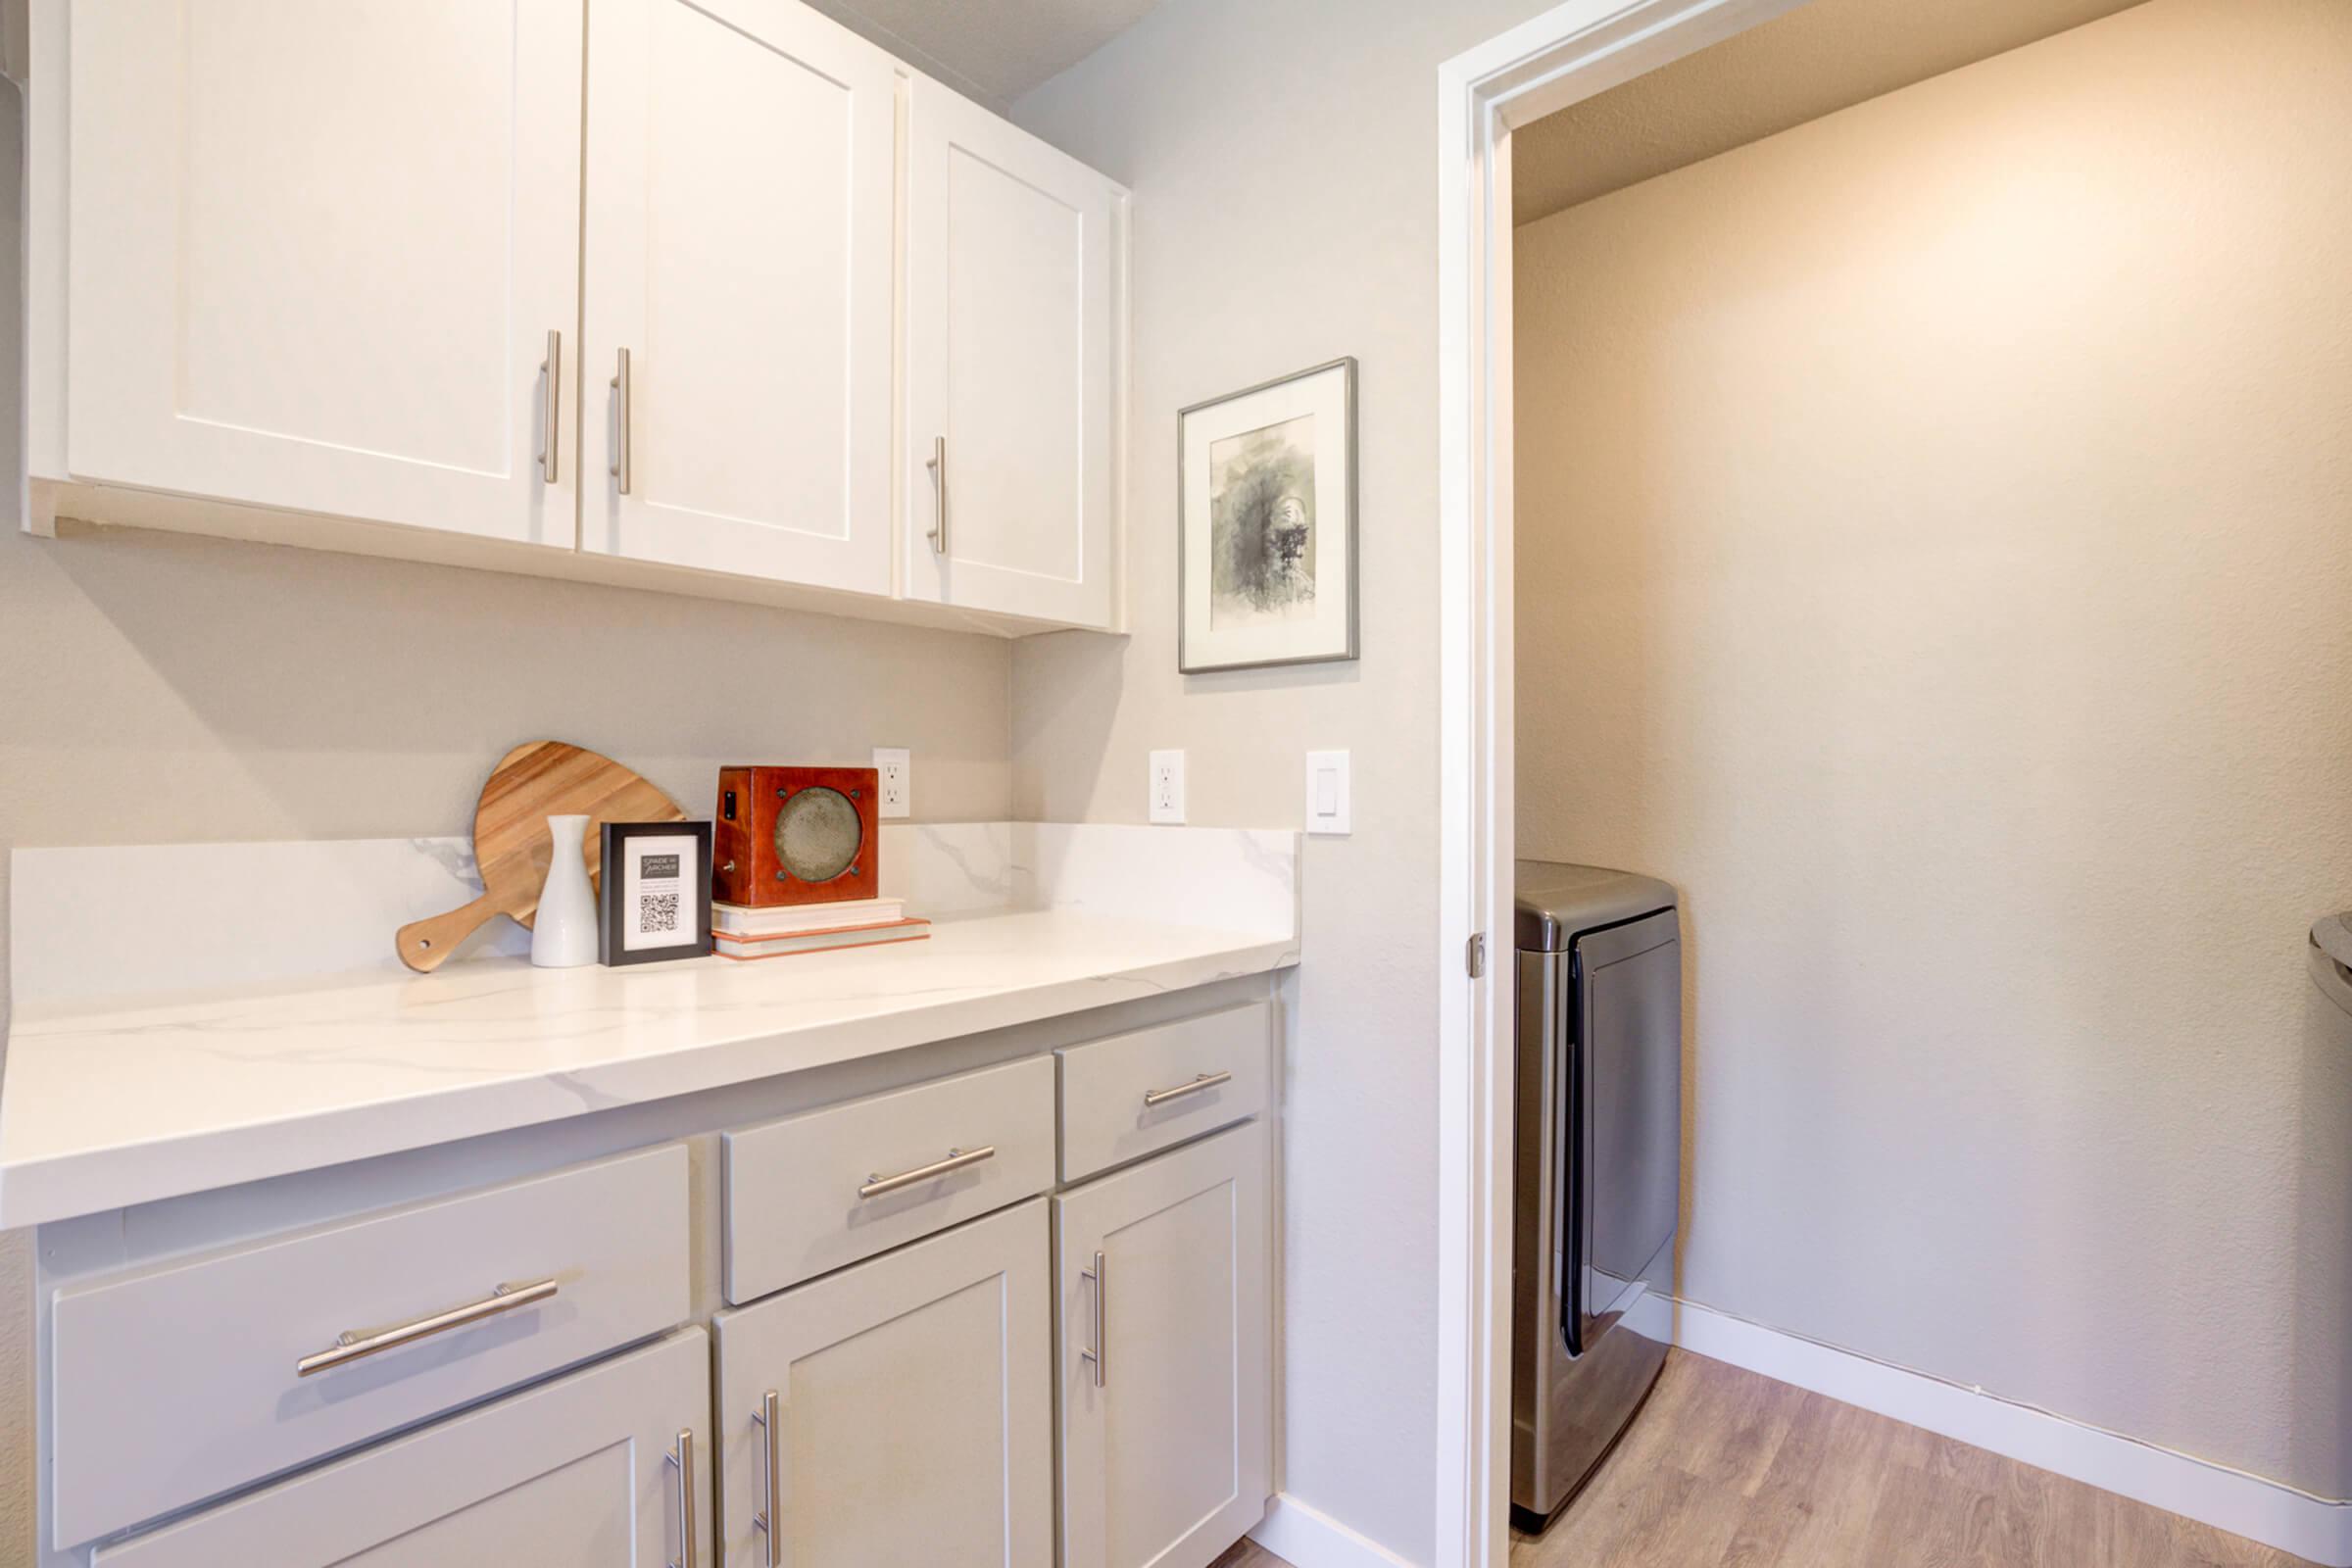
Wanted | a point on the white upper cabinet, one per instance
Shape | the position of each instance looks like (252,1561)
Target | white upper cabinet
(739,252)
(658,285)
(315,254)
(1010,358)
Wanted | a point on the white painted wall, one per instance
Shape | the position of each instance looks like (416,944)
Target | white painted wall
(162,688)
(1935,555)
(1283,155)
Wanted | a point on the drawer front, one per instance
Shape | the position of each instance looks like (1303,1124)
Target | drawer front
(179,1382)
(814,1192)
(1117,1099)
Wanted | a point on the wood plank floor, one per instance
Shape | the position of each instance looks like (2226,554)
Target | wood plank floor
(1727,1469)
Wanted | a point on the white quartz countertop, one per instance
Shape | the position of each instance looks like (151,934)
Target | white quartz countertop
(118,1102)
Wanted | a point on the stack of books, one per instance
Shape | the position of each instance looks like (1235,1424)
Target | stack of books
(743,931)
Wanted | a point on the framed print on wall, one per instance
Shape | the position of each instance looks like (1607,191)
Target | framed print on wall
(1265,507)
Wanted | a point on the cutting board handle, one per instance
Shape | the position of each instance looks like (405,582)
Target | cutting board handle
(424,944)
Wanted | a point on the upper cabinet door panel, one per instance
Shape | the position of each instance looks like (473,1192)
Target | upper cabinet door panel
(1010,318)
(315,253)
(739,248)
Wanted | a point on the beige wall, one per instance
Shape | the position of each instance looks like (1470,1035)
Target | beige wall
(1935,555)
(1283,155)
(162,689)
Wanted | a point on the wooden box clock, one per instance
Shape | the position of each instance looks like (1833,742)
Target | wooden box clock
(796,835)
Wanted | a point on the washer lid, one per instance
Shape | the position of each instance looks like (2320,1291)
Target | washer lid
(1557,901)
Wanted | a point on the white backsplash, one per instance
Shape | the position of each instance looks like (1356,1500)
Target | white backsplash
(211,916)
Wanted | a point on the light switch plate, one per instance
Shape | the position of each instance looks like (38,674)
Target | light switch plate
(1327,793)
(895,768)
(1167,787)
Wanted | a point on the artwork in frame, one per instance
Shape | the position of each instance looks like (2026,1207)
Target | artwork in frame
(1266,513)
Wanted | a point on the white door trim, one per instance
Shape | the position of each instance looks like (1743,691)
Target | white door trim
(1571,52)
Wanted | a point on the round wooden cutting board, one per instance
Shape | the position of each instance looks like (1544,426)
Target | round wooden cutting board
(511,849)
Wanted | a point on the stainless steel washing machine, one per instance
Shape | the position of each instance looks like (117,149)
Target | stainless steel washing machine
(1599,1167)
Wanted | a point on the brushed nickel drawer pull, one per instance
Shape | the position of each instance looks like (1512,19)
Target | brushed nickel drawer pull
(767,1418)
(937,534)
(352,1346)
(1153,1099)
(1094,1352)
(620,385)
(957,1160)
(683,1458)
(552,368)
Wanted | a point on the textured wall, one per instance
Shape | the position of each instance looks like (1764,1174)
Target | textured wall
(164,689)
(1935,552)
(1283,155)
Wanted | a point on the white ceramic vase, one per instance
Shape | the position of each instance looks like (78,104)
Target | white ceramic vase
(564,931)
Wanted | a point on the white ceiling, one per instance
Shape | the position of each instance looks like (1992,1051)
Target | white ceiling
(1814,61)
(991,50)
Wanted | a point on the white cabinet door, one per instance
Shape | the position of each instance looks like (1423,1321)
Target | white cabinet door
(739,251)
(318,251)
(1162,1289)
(1009,355)
(910,1403)
(583,1471)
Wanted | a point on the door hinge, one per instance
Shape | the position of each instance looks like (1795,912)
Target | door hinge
(1474,956)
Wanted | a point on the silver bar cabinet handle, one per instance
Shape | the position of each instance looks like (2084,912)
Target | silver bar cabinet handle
(957,1160)
(765,1521)
(683,1458)
(1094,1351)
(1153,1098)
(352,1346)
(938,474)
(554,367)
(620,399)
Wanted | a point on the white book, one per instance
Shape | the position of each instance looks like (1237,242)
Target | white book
(855,935)
(787,919)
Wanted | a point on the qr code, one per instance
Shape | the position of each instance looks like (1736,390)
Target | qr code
(657,911)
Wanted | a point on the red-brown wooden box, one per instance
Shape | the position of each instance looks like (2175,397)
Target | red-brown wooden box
(749,864)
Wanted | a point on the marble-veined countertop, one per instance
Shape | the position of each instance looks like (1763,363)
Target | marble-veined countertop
(119,1102)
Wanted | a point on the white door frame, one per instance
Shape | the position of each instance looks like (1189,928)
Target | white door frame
(1571,52)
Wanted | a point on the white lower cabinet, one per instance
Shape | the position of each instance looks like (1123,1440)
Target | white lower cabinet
(897,1413)
(605,1468)
(1162,1280)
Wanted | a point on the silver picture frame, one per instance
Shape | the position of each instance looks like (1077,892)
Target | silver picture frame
(1191,658)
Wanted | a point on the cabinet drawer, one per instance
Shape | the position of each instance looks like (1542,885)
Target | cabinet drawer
(814,1192)
(1117,1099)
(176,1383)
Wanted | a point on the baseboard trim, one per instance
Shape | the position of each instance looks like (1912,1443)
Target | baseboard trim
(2242,1504)
(1306,1537)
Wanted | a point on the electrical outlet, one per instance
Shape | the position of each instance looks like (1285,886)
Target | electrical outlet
(1167,786)
(895,767)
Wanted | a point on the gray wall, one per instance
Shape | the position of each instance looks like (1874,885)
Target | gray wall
(1934,557)
(164,689)
(1283,155)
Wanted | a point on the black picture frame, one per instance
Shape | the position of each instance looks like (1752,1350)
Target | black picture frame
(612,909)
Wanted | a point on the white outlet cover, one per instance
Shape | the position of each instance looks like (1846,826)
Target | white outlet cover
(1167,786)
(1328,792)
(896,765)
